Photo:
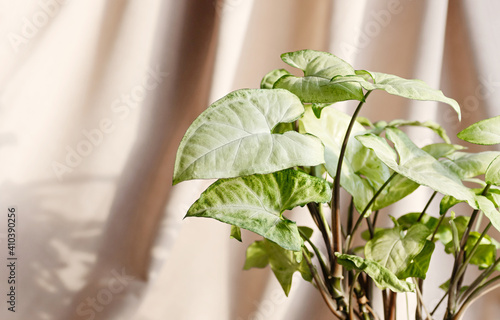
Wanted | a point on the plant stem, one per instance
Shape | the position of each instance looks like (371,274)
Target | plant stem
(426,206)
(455,279)
(335,205)
(421,299)
(484,275)
(351,293)
(439,224)
(463,267)
(478,293)
(321,287)
(372,200)
(439,303)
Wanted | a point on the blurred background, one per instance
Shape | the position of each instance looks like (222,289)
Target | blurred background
(95,96)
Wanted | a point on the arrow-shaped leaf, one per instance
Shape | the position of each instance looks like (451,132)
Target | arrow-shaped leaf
(417,165)
(233,137)
(406,88)
(284,263)
(330,128)
(486,132)
(382,277)
(256,203)
(395,250)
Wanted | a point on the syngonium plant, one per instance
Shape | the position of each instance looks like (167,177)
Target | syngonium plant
(285,145)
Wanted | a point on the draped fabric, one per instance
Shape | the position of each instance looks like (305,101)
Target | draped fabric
(96,95)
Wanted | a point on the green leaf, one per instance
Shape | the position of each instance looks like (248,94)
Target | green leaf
(394,249)
(488,208)
(439,150)
(417,165)
(382,277)
(314,89)
(485,253)
(330,128)
(398,188)
(305,232)
(284,263)
(420,264)
(445,231)
(467,165)
(492,175)
(409,219)
(235,233)
(318,63)
(270,79)
(455,235)
(447,203)
(233,138)
(323,80)
(411,89)
(256,203)
(485,132)
(440,131)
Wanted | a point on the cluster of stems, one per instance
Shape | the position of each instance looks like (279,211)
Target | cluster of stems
(348,294)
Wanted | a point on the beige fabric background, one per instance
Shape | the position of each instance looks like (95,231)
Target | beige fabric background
(95,96)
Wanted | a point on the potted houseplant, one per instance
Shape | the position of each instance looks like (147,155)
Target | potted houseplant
(285,145)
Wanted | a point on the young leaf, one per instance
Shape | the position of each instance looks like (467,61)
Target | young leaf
(270,79)
(492,175)
(409,219)
(440,131)
(382,277)
(330,128)
(395,250)
(411,89)
(485,132)
(235,233)
(323,80)
(256,203)
(318,63)
(314,89)
(417,165)
(284,263)
(233,138)
(485,253)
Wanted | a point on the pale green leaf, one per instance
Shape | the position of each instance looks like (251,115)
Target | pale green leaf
(485,132)
(439,150)
(492,175)
(407,88)
(323,80)
(233,138)
(382,277)
(417,165)
(314,89)
(318,63)
(330,128)
(284,263)
(235,233)
(467,165)
(440,131)
(270,79)
(394,249)
(256,203)
(488,208)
